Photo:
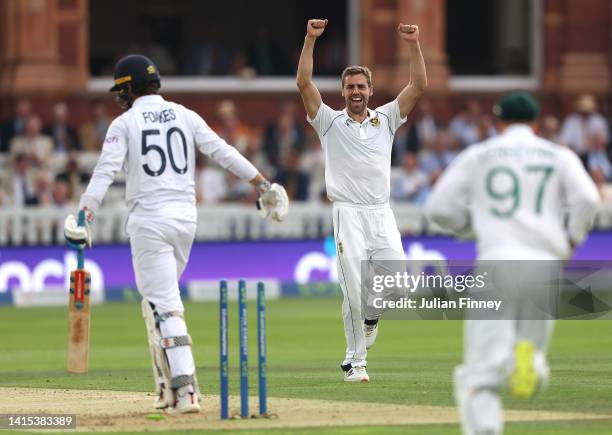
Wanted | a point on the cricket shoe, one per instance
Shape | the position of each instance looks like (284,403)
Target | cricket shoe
(160,400)
(371,332)
(525,380)
(186,401)
(356,374)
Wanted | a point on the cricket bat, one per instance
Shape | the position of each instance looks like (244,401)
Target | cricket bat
(78,313)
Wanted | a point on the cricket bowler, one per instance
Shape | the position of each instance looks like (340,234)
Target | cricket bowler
(357,143)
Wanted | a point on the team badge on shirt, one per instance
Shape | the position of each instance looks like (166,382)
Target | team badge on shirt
(375,121)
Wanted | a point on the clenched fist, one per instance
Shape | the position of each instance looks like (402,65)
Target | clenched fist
(315,27)
(409,32)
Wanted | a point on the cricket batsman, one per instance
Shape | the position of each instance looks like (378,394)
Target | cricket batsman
(155,142)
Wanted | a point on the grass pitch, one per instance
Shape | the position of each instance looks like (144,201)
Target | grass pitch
(411,363)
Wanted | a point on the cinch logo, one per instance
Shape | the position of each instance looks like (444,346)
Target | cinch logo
(47,272)
(326,262)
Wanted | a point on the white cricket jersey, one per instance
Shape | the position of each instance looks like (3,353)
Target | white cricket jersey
(520,194)
(154,142)
(358,155)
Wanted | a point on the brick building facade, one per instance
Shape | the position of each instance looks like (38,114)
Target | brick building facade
(44,54)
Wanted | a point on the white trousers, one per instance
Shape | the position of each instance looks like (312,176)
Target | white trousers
(160,250)
(489,349)
(362,233)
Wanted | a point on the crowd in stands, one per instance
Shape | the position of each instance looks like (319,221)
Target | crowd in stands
(428,146)
(50,165)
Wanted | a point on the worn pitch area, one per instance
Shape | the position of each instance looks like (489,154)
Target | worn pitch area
(117,411)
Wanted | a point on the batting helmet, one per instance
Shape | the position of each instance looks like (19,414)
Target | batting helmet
(136,70)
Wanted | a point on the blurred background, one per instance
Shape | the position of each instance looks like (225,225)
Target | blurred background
(234,63)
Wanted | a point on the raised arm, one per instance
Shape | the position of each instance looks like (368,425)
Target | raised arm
(309,92)
(408,97)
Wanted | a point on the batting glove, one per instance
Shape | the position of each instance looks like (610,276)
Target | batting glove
(78,236)
(274,203)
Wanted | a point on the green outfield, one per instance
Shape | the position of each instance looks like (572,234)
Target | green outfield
(411,363)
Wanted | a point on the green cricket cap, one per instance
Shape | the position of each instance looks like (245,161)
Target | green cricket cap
(517,106)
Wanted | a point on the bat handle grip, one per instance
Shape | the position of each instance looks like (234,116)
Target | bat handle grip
(80,254)
(81,218)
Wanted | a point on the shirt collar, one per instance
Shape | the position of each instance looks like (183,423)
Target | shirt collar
(348,119)
(147,99)
(520,129)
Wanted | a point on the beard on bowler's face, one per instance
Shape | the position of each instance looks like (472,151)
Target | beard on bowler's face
(357,102)
(356,93)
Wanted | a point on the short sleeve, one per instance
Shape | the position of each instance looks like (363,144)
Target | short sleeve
(392,111)
(323,120)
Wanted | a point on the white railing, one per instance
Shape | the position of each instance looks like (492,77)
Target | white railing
(44,225)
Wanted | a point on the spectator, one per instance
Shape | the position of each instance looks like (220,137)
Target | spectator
(597,158)
(211,184)
(64,137)
(485,127)
(257,156)
(424,131)
(240,66)
(295,181)
(35,145)
(549,128)
(605,189)
(21,183)
(231,128)
(579,128)
(411,184)
(470,126)
(43,189)
(16,125)
(284,134)
(73,175)
(399,146)
(61,193)
(93,132)
(440,154)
